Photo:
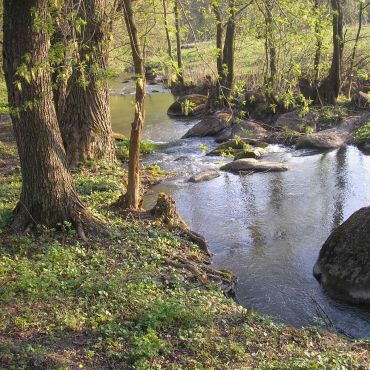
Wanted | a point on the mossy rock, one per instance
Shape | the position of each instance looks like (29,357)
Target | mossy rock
(188,105)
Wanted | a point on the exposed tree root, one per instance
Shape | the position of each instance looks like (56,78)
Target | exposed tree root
(166,212)
(83,222)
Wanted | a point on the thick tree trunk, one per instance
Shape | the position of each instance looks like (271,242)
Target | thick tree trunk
(180,70)
(86,122)
(330,87)
(229,52)
(48,195)
(133,199)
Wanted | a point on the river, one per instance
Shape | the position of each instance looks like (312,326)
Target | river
(267,228)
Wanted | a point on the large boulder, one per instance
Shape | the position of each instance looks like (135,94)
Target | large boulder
(325,140)
(343,266)
(253,165)
(335,137)
(210,125)
(294,122)
(204,176)
(243,129)
(188,105)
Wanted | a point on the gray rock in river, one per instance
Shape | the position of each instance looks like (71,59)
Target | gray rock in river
(343,267)
(204,176)
(335,137)
(243,129)
(210,125)
(254,166)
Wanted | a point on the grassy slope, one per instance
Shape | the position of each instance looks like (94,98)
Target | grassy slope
(117,302)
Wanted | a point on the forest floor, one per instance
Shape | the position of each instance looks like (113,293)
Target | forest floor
(141,298)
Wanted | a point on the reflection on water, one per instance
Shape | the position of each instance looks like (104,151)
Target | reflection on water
(267,228)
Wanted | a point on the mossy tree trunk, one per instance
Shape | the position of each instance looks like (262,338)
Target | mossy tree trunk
(48,196)
(86,121)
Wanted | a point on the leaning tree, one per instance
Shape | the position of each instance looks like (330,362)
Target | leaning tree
(133,199)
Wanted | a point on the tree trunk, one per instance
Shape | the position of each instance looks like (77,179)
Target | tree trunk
(318,50)
(271,62)
(168,38)
(229,53)
(86,122)
(330,87)
(180,71)
(219,39)
(133,199)
(353,56)
(61,66)
(48,195)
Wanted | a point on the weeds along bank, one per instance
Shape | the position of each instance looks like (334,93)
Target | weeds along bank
(142,297)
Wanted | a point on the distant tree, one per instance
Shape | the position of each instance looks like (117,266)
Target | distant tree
(180,67)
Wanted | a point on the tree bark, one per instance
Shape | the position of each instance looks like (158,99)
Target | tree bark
(180,70)
(86,122)
(229,52)
(330,87)
(219,37)
(48,196)
(318,49)
(133,199)
(166,27)
(219,48)
(271,62)
(353,56)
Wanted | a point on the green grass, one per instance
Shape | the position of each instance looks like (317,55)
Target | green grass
(362,135)
(118,302)
(4,107)
(122,148)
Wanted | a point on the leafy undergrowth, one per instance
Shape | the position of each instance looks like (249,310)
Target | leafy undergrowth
(125,301)
(362,135)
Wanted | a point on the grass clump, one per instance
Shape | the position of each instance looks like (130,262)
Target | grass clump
(122,148)
(362,135)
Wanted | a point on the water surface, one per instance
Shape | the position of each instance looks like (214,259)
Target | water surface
(266,228)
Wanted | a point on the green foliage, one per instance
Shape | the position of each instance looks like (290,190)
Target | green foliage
(123,146)
(187,107)
(4,107)
(204,148)
(362,135)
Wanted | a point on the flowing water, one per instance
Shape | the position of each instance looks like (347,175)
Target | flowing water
(266,228)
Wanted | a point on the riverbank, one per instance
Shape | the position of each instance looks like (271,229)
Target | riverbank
(144,297)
